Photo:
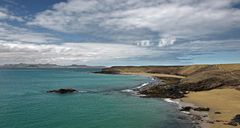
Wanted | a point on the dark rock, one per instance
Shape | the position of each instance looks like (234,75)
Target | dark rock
(218,113)
(187,108)
(210,122)
(162,91)
(235,121)
(237,118)
(232,123)
(201,109)
(63,90)
(220,121)
(205,115)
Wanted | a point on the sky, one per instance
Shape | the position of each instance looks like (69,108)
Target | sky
(120,32)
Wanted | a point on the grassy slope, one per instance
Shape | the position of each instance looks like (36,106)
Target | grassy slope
(198,77)
(211,76)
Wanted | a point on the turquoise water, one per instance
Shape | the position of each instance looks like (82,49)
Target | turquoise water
(24,102)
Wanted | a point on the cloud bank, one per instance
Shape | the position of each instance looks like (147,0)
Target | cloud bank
(129,31)
(175,18)
(13,33)
(67,53)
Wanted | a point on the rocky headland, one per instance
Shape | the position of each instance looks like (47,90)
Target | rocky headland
(184,82)
(178,80)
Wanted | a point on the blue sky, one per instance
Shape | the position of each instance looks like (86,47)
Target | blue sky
(126,32)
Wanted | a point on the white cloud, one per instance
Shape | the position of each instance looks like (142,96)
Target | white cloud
(207,46)
(12,33)
(166,41)
(163,42)
(157,28)
(144,43)
(67,53)
(179,18)
(5,14)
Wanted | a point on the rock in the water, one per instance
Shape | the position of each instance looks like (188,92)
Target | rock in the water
(201,109)
(63,90)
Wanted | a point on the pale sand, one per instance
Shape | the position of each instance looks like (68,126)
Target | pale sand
(226,101)
(153,74)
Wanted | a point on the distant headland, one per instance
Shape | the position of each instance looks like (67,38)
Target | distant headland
(23,65)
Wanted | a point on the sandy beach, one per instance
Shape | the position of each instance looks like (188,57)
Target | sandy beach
(221,81)
(154,75)
(226,101)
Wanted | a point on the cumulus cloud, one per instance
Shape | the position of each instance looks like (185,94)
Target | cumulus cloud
(163,42)
(153,30)
(144,43)
(67,53)
(178,18)
(166,42)
(11,32)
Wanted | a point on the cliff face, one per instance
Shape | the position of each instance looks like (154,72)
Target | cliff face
(197,78)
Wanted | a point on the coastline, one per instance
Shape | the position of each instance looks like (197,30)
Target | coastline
(201,119)
(178,103)
(154,75)
(191,116)
(179,84)
(224,104)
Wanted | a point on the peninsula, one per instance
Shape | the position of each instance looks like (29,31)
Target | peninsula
(214,86)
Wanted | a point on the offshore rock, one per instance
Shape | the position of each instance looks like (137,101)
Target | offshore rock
(62,91)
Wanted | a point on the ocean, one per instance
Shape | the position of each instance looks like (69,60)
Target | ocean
(100,102)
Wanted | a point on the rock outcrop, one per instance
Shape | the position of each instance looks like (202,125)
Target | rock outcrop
(197,78)
(235,121)
(62,91)
(188,108)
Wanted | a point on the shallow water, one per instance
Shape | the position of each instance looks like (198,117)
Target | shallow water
(100,103)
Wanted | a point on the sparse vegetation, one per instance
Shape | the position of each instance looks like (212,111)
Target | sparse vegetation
(185,78)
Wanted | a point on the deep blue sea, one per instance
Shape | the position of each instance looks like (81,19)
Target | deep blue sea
(100,103)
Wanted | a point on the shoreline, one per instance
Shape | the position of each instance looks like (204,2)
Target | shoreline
(191,116)
(200,119)
(154,75)
(181,82)
(224,104)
